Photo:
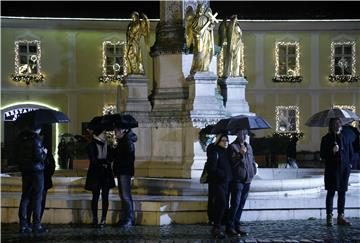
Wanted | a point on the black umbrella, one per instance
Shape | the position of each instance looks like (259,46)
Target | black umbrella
(36,118)
(220,127)
(236,123)
(121,121)
(97,123)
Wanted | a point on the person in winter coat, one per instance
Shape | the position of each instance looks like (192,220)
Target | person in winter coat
(30,157)
(337,151)
(124,158)
(219,175)
(243,167)
(49,170)
(99,176)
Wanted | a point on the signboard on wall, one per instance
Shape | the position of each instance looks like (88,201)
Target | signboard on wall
(12,115)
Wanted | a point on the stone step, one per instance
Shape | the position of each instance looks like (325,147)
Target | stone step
(64,208)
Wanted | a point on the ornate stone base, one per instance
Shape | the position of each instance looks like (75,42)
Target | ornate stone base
(236,103)
(137,93)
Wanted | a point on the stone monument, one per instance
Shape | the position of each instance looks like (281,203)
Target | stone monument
(184,97)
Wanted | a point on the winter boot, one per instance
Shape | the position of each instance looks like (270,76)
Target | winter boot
(342,221)
(329,220)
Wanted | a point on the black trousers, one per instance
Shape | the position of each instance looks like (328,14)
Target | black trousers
(211,209)
(221,202)
(32,190)
(95,201)
(340,203)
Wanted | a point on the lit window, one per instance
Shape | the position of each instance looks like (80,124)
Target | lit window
(343,62)
(287,119)
(114,69)
(27,61)
(287,63)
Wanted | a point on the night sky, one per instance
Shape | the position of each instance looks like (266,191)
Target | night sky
(244,9)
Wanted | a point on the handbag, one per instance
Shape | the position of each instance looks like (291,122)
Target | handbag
(204,175)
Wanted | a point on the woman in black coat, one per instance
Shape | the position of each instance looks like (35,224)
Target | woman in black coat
(219,175)
(336,151)
(124,158)
(99,176)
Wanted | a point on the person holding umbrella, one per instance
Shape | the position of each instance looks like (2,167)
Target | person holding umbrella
(124,158)
(336,150)
(99,176)
(30,156)
(49,170)
(243,168)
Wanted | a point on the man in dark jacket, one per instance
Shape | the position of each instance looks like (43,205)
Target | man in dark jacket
(30,157)
(336,150)
(353,134)
(124,158)
(243,171)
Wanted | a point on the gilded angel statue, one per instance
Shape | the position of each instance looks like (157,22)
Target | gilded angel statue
(199,35)
(231,47)
(135,30)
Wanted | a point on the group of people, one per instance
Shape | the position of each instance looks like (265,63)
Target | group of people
(37,166)
(231,169)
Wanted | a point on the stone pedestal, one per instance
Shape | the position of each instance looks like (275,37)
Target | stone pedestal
(236,103)
(137,93)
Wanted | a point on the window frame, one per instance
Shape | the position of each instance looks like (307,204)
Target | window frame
(297,118)
(27,77)
(295,77)
(343,77)
(116,77)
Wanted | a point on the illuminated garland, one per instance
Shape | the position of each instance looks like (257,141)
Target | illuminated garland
(289,135)
(28,78)
(343,78)
(297,117)
(117,78)
(109,109)
(294,76)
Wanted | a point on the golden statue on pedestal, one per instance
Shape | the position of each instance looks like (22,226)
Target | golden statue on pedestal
(231,48)
(199,35)
(135,30)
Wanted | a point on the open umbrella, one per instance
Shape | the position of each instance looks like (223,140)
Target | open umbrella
(121,121)
(322,118)
(97,123)
(236,123)
(38,117)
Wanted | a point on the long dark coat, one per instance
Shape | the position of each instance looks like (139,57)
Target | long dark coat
(99,175)
(218,166)
(337,165)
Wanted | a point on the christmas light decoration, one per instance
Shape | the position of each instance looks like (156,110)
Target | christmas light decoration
(342,63)
(118,76)
(278,110)
(292,76)
(109,109)
(23,72)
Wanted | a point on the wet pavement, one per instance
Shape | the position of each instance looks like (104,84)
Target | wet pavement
(312,230)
